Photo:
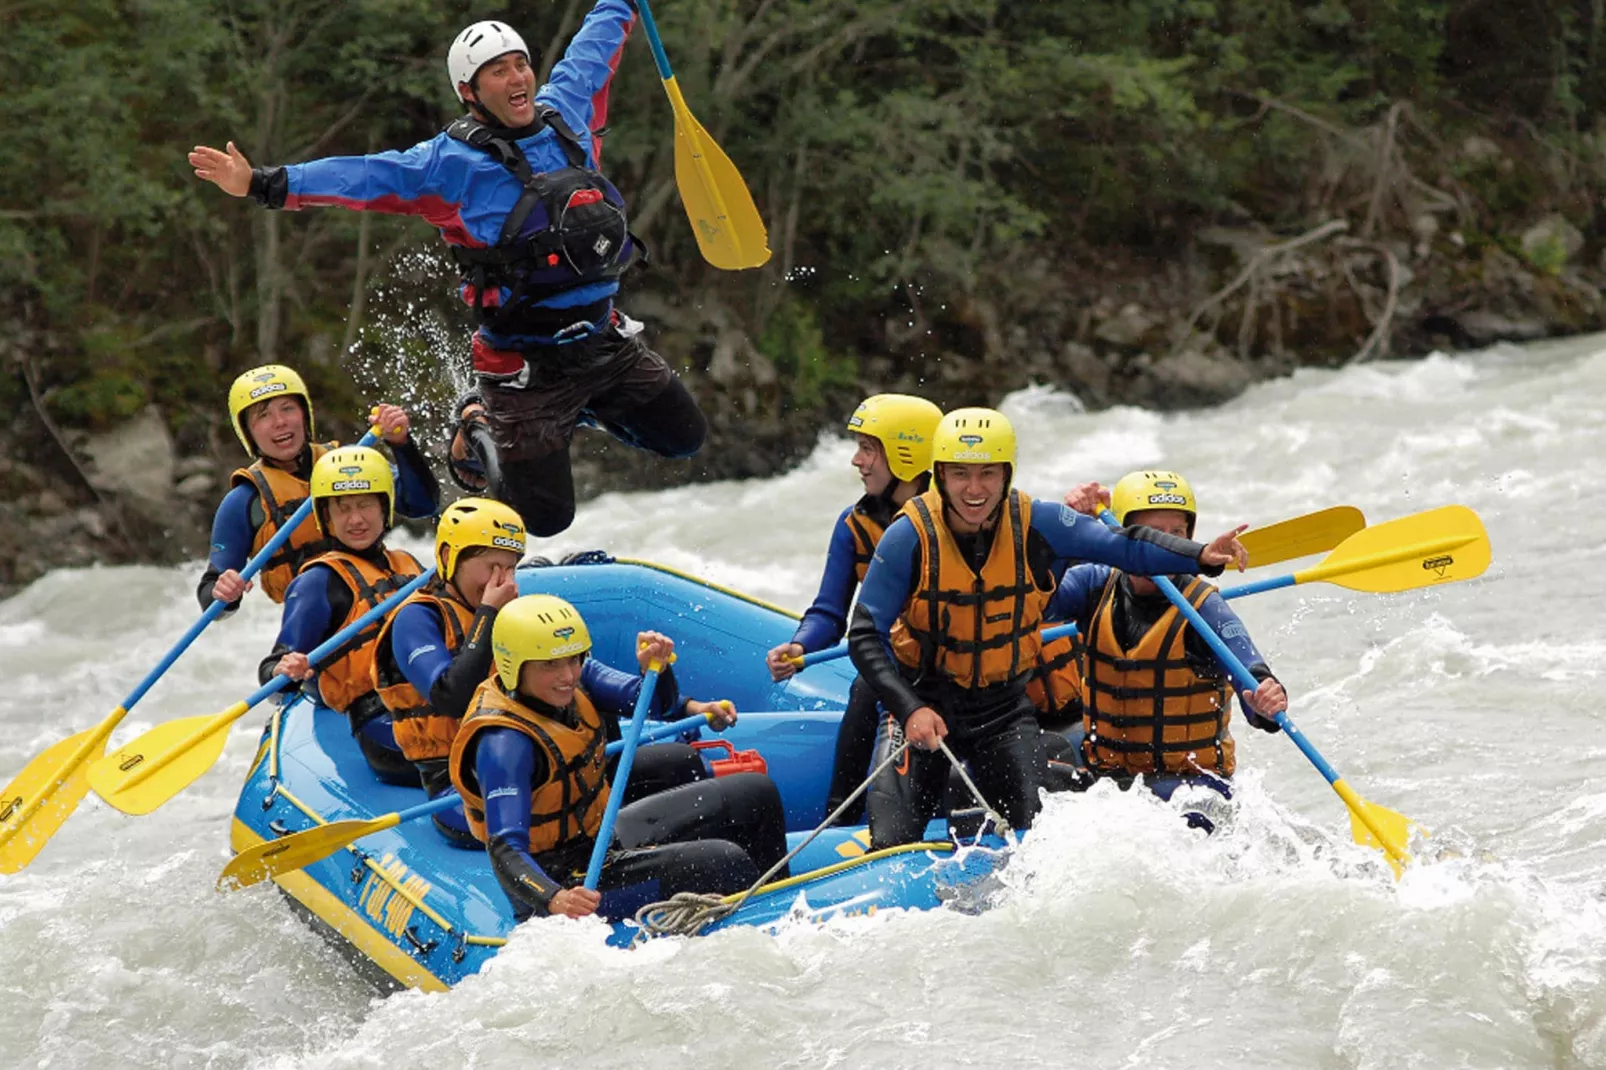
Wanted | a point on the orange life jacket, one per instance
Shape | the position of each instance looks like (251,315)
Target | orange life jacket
(421,733)
(280,494)
(1148,709)
(565,806)
(1056,684)
(866,533)
(349,675)
(976,630)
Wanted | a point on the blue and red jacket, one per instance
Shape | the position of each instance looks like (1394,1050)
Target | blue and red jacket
(464,191)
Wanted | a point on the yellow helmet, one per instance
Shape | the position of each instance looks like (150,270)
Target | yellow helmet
(903,424)
(261,384)
(1139,491)
(351,470)
(536,627)
(470,522)
(974,436)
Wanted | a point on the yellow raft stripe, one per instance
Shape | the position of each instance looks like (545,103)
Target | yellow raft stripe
(384,873)
(328,908)
(838,867)
(709,584)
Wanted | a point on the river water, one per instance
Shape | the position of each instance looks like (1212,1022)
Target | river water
(1122,938)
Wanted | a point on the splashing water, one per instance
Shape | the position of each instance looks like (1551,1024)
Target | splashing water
(1117,936)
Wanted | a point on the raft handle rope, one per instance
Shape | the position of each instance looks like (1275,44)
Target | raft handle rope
(991,814)
(689,913)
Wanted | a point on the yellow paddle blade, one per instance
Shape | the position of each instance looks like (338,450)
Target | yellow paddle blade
(41,798)
(1396,830)
(730,233)
(142,775)
(1377,826)
(1313,533)
(1422,550)
(272,857)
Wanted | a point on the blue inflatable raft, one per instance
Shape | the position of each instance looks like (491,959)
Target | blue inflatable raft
(416,912)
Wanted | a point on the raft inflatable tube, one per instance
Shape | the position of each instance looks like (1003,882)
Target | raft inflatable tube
(413,911)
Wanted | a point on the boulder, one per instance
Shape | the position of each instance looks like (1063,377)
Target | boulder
(1191,380)
(1127,328)
(1551,242)
(1482,327)
(134,459)
(1480,149)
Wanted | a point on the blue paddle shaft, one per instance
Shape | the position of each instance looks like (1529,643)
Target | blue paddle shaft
(215,610)
(657,44)
(344,635)
(1275,583)
(649,684)
(668,730)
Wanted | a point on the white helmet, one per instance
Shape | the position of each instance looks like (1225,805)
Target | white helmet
(477,46)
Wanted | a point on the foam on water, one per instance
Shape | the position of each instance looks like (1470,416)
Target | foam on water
(1117,936)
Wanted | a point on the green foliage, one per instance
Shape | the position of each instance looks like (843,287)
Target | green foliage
(809,371)
(897,149)
(100,400)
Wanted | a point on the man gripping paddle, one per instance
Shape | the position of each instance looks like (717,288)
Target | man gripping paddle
(541,239)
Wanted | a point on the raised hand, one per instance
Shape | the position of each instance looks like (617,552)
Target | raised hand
(1088,498)
(228,170)
(501,589)
(1225,549)
(651,647)
(393,423)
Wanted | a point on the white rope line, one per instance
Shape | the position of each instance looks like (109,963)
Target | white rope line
(991,814)
(688,913)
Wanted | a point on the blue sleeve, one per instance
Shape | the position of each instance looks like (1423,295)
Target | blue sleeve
(232,533)
(417,491)
(418,643)
(616,692)
(400,182)
(1227,624)
(824,622)
(1073,534)
(504,763)
(1077,595)
(306,621)
(891,576)
(588,64)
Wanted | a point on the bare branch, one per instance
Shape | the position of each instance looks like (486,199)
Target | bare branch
(1385,168)
(1377,341)
(1262,256)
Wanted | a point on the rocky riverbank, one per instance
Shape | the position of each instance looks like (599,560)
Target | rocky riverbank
(1186,328)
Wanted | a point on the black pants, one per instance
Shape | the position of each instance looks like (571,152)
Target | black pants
(613,381)
(1003,751)
(659,768)
(714,836)
(542,489)
(855,743)
(370,723)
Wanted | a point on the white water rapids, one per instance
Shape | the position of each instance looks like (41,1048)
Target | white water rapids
(1122,937)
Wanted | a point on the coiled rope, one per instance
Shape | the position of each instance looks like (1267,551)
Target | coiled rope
(689,913)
